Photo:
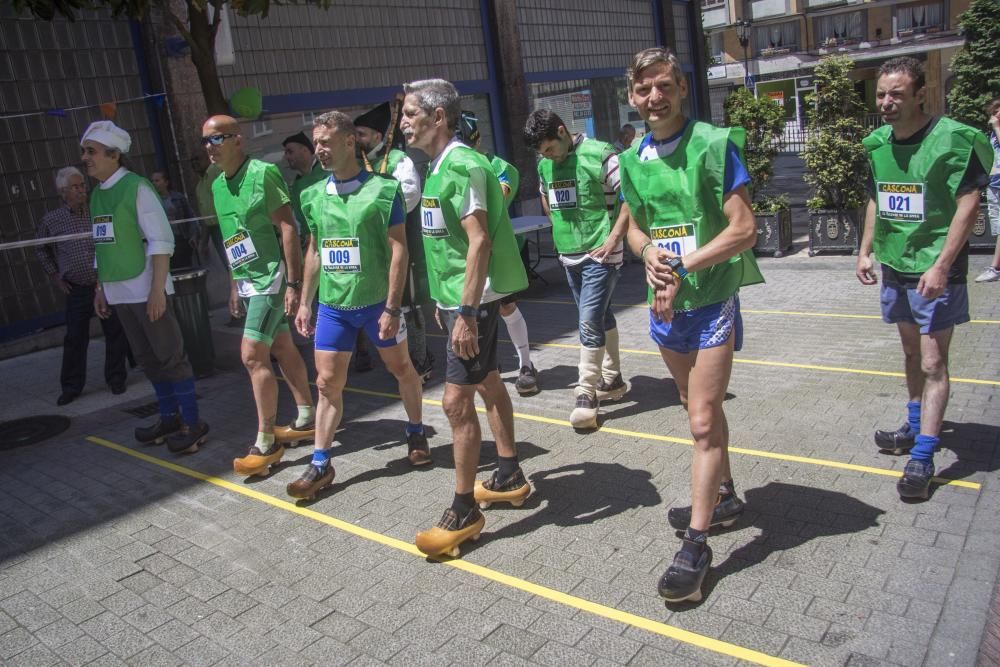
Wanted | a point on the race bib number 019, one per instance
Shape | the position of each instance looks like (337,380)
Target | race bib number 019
(432,218)
(901,201)
(678,239)
(562,195)
(240,249)
(104,229)
(340,255)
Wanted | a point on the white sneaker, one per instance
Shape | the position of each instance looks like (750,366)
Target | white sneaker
(990,274)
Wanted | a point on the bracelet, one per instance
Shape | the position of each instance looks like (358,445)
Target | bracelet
(393,312)
(642,251)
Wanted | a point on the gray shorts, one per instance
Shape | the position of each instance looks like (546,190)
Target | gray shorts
(904,304)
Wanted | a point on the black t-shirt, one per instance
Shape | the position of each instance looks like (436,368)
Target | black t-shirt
(975,178)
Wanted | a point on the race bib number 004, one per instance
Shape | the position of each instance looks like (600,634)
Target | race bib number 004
(562,195)
(901,201)
(340,255)
(678,239)
(240,249)
(432,218)
(104,229)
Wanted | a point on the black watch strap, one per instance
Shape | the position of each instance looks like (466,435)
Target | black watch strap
(468,311)
(393,312)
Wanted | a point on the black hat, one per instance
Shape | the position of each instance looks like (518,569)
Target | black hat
(299,138)
(376,119)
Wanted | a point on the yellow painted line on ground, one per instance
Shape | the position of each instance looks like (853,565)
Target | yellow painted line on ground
(760,362)
(760,453)
(795,313)
(551,594)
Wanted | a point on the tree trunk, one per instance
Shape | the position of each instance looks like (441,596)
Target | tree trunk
(203,58)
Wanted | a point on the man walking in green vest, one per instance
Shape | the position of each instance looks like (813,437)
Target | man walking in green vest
(684,186)
(357,257)
(132,247)
(579,182)
(299,156)
(927,173)
(472,261)
(251,202)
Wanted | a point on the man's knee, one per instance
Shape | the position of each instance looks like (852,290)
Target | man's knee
(703,419)
(934,366)
(399,365)
(255,355)
(329,384)
(591,333)
(459,407)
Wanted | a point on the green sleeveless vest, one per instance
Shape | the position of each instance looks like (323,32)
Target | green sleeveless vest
(395,157)
(248,234)
(502,167)
(445,242)
(577,205)
(915,190)
(118,242)
(350,233)
(677,201)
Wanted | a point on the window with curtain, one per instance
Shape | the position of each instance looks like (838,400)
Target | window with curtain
(712,4)
(776,36)
(840,28)
(919,18)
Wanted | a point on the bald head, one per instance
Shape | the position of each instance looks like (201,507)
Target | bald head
(221,124)
(220,135)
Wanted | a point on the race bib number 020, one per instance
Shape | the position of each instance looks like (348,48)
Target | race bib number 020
(678,239)
(432,218)
(340,255)
(240,249)
(104,229)
(562,195)
(901,201)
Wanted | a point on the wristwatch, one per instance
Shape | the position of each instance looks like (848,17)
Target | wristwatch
(393,312)
(294,284)
(468,311)
(676,265)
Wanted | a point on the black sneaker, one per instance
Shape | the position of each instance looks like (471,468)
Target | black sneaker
(682,580)
(897,442)
(916,480)
(611,391)
(527,381)
(727,510)
(159,430)
(188,439)
(418,452)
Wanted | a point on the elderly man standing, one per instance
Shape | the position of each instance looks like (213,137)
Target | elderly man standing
(472,262)
(70,265)
(133,244)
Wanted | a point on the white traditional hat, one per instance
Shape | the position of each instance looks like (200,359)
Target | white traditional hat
(107,133)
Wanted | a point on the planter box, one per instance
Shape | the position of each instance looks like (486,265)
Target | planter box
(774,233)
(982,237)
(835,230)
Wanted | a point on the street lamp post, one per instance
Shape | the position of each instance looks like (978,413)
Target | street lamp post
(744,28)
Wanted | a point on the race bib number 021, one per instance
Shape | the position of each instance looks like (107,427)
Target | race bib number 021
(678,239)
(240,249)
(901,201)
(432,218)
(340,255)
(104,229)
(562,195)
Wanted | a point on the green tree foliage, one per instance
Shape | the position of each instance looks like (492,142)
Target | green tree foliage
(977,66)
(764,122)
(836,165)
(196,28)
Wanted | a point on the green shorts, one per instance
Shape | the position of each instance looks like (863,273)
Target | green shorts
(265,317)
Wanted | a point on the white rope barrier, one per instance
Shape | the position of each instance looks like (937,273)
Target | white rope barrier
(28,243)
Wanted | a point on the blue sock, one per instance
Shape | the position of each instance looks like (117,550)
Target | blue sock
(923,448)
(913,415)
(184,391)
(412,428)
(166,398)
(321,458)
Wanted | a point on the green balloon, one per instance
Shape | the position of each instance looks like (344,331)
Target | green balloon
(247,103)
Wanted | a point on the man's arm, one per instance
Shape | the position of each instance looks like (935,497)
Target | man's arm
(282,219)
(740,233)
(155,228)
(934,281)
(477,260)
(46,256)
(865,270)
(310,281)
(388,325)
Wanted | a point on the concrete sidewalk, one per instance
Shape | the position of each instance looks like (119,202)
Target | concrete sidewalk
(112,553)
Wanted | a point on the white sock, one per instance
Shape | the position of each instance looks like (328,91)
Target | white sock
(518,330)
(265,441)
(612,364)
(305,416)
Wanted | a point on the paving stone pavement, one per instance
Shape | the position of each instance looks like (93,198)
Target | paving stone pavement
(109,559)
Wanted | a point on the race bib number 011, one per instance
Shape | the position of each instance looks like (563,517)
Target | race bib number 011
(104,229)
(432,218)
(340,255)
(901,201)
(562,195)
(240,249)
(678,239)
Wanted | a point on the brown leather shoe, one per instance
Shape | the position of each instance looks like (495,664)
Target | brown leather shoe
(313,481)
(420,453)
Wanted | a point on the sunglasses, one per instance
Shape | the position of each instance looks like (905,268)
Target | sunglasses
(215,139)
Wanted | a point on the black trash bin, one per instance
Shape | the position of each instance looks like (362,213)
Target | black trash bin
(191,308)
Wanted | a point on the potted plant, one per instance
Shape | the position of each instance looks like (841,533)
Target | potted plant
(764,123)
(836,164)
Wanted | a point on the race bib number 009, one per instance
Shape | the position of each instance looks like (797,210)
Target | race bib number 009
(678,239)
(340,255)
(240,249)
(432,218)
(901,201)
(104,229)
(562,195)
